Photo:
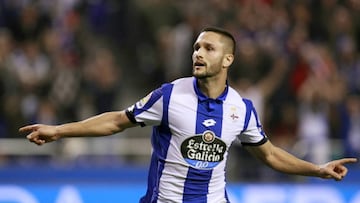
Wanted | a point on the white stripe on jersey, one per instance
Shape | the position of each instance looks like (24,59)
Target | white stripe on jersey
(181,115)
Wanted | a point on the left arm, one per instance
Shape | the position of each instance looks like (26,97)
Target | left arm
(283,161)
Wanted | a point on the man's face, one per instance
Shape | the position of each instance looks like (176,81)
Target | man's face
(208,55)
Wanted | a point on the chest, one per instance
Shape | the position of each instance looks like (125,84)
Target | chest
(188,117)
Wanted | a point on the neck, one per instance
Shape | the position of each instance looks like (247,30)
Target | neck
(212,87)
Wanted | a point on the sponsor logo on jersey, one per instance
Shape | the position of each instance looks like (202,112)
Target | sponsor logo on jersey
(209,122)
(203,151)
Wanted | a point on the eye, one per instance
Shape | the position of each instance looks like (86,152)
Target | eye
(196,47)
(210,48)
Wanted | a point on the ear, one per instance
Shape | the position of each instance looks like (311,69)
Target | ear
(228,60)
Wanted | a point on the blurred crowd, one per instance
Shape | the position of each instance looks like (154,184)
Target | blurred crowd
(298,60)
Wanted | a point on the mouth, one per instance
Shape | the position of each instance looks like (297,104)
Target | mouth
(199,64)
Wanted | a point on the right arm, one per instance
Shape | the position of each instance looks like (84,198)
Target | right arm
(285,162)
(100,125)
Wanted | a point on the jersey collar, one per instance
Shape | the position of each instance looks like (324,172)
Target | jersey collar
(203,97)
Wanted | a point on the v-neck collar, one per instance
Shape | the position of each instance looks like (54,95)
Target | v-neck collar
(202,97)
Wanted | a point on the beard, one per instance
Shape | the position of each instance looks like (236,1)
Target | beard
(206,71)
(200,75)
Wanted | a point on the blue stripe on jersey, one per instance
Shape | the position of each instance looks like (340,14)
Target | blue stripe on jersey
(258,124)
(197,181)
(160,146)
(152,187)
(249,107)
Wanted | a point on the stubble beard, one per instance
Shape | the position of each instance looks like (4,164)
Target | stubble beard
(200,75)
(203,74)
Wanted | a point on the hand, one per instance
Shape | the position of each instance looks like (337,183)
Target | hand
(40,134)
(336,169)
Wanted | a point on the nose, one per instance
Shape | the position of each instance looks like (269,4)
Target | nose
(198,54)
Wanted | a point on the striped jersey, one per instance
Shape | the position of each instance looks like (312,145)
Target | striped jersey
(191,137)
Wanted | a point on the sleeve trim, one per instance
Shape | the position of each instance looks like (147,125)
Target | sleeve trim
(131,117)
(261,142)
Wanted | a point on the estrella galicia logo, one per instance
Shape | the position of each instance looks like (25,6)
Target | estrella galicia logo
(203,151)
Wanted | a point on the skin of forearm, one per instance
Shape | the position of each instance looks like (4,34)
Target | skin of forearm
(283,161)
(100,125)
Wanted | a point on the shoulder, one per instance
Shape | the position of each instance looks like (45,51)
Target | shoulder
(182,81)
(182,84)
(166,89)
(177,82)
(234,95)
(235,99)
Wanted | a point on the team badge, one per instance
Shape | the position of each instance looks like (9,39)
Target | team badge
(234,115)
(208,136)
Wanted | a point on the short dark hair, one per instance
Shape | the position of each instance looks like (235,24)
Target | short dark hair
(222,32)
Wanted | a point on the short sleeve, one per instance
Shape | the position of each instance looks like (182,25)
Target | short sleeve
(253,133)
(148,110)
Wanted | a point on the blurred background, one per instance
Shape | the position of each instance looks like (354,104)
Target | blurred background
(66,60)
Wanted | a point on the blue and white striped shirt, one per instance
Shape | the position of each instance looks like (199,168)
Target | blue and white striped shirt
(191,137)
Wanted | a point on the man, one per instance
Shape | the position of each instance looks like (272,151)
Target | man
(195,121)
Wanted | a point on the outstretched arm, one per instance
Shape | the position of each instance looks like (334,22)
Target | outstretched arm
(100,125)
(282,161)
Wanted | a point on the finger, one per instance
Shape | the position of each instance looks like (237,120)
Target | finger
(347,160)
(28,128)
(333,174)
(32,136)
(37,141)
(341,170)
(40,142)
(337,177)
